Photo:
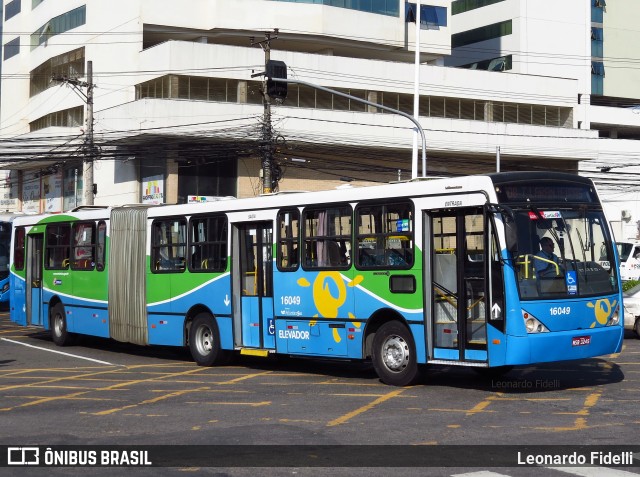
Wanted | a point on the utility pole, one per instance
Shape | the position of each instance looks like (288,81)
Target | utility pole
(87,169)
(89,147)
(267,150)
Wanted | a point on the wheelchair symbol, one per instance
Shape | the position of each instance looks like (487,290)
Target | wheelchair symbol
(272,327)
(571,279)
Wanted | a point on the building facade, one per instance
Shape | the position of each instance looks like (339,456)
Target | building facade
(178,105)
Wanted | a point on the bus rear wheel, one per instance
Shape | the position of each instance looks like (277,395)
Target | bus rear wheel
(394,355)
(58,324)
(204,341)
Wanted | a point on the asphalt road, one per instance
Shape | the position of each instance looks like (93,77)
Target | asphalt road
(100,393)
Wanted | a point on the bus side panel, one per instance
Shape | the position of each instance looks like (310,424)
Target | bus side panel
(417,330)
(88,305)
(17,288)
(165,329)
(166,318)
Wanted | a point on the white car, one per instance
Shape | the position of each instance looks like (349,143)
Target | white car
(629,254)
(632,313)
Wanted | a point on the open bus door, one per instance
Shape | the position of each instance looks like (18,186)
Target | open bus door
(466,285)
(35,246)
(252,279)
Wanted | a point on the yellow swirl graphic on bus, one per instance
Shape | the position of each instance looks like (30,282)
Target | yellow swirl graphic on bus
(602,310)
(329,294)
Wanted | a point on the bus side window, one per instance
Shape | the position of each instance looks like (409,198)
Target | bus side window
(101,245)
(288,237)
(208,243)
(384,235)
(58,244)
(83,246)
(18,248)
(168,245)
(327,237)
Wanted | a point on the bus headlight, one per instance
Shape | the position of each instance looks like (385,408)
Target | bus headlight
(614,319)
(5,288)
(532,324)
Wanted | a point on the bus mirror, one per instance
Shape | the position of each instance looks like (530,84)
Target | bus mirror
(510,233)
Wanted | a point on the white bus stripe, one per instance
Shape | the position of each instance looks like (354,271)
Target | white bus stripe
(58,352)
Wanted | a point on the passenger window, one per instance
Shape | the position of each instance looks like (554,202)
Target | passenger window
(58,244)
(168,245)
(288,239)
(208,244)
(83,246)
(384,236)
(327,238)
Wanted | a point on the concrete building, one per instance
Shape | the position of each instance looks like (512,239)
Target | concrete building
(177,112)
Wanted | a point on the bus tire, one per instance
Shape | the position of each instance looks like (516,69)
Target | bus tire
(58,324)
(204,341)
(394,355)
(636,327)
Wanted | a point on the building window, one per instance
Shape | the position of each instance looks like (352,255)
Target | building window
(461,6)
(597,77)
(69,65)
(430,17)
(11,9)
(65,118)
(12,48)
(382,7)
(596,42)
(477,35)
(60,24)
(503,63)
(35,3)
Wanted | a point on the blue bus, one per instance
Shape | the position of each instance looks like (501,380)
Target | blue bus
(408,275)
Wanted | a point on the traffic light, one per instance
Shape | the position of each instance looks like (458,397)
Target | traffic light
(276,89)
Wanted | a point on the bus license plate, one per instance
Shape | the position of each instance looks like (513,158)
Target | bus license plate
(581,340)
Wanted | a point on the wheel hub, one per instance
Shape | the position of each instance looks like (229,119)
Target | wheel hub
(204,340)
(395,353)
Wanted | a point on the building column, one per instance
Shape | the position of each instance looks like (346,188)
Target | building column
(171,187)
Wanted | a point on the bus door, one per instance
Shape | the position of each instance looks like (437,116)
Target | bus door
(252,279)
(458,324)
(35,245)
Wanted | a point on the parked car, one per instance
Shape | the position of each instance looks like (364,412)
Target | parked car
(631,303)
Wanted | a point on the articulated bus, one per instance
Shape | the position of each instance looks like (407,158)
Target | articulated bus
(437,272)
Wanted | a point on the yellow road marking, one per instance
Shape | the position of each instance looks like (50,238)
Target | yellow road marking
(223,403)
(581,422)
(371,405)
(148,401)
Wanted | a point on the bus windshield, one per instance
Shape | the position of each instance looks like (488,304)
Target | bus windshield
(563,253)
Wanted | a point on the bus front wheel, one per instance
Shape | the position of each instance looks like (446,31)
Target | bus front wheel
(394,355)
(204,341)
(58,324)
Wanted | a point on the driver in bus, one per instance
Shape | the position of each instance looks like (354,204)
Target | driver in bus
(545,259)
